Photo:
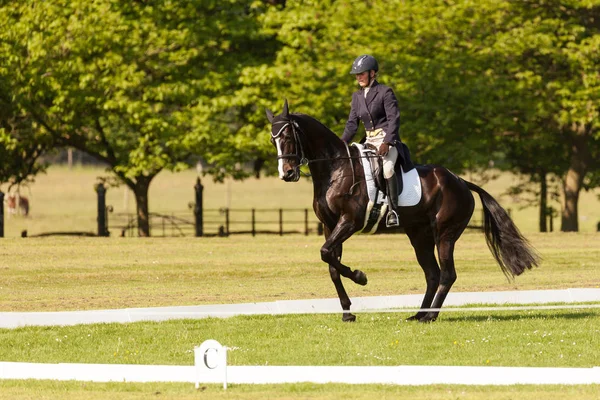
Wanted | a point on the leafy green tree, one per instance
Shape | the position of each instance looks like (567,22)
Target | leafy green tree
(20,148)
(138,85)
(476,81)
(550,59)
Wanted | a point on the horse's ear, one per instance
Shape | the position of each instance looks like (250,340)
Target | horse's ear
(286,111)
(270,115)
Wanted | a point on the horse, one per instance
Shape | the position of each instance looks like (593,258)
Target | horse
(436,221)
(17,204)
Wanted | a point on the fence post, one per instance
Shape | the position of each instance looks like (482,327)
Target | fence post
(1,214)
(102,225)
(306,222)
(281,222)
(253,222)
(227,222)
(198,208)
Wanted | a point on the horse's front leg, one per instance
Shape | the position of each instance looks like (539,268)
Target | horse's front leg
(331,253)
(339,287)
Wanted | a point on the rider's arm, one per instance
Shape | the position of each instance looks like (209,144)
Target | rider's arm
(392,113)
(352,123)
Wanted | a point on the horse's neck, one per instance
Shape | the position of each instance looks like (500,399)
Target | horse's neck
(323,149)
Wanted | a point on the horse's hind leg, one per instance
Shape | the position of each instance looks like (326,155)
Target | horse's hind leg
(447,277)
(423,241)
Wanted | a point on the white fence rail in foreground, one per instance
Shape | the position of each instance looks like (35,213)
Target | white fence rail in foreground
(402,303)
(211,367)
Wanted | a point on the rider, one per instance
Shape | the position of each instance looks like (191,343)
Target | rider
(376,106)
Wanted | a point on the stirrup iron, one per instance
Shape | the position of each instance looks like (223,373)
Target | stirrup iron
(391,220)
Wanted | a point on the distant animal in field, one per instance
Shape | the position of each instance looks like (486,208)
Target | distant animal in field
(17,204)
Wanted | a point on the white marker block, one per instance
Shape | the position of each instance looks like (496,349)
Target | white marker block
(210,359)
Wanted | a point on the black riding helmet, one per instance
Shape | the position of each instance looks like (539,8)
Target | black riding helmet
(364,63)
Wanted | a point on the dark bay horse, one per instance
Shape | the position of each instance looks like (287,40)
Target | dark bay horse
(438,220)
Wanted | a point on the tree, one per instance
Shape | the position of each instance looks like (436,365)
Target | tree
(511,81)
(549,53)
(138,85)
(20,149)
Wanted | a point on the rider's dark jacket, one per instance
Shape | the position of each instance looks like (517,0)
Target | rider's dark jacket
(378,110)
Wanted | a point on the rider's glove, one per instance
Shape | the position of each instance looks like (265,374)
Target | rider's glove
(383,149)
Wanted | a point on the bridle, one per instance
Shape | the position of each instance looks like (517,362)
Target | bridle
(299,155)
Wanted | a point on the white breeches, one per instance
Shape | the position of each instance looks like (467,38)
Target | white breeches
(389,161)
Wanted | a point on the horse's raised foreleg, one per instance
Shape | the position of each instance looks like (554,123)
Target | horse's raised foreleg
(331,253)
(342,231)
(423,242)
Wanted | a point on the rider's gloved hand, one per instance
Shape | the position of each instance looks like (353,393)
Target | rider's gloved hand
(383,149)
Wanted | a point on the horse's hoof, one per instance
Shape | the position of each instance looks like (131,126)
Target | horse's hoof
(360,277)
(429,317)
(415,317)
(347,317)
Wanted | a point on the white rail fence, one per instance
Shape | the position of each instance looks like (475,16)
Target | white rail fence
(210,364)
(211,367)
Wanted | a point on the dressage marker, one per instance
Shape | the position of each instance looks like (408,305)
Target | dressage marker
(211,367)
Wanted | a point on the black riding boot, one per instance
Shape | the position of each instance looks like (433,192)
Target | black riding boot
(392,216)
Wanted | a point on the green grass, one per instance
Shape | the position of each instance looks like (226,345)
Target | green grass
(552,338)
(84,390)
(566,338)
(65,200)
(62,273)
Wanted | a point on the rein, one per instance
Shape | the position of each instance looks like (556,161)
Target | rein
(305,161)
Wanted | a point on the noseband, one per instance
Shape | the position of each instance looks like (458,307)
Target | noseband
(298,143)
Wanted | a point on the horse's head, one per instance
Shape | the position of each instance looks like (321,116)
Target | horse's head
(285,138)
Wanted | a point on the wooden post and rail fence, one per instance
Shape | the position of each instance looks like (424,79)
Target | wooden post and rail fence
(217,222)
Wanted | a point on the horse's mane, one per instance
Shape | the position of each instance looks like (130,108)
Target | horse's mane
(315,124)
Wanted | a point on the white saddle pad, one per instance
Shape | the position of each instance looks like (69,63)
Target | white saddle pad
(411,192)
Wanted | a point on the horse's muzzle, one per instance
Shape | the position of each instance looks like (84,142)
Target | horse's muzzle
(292,175)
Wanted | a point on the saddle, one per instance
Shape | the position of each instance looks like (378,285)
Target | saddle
(377,188)
(403,165)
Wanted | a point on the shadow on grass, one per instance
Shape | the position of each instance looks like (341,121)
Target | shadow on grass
(518,317)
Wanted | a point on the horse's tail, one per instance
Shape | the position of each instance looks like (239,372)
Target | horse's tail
(511,250)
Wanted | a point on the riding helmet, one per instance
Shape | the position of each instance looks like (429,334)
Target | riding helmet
(364,63)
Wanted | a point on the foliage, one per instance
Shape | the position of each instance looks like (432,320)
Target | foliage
(136,84)
(513,83)
(147,86)
(20,147)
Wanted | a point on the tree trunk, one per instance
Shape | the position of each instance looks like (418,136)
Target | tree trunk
(574,180)
(543,202)
(140,190)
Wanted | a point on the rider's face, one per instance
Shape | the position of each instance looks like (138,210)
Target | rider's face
(363,78)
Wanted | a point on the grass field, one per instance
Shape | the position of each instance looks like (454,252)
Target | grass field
(63,273)
(65,200)
(67,273)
